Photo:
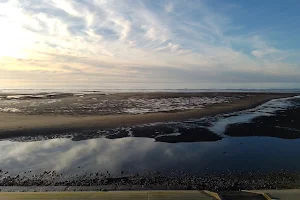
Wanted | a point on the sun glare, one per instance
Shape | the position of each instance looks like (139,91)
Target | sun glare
(13,40)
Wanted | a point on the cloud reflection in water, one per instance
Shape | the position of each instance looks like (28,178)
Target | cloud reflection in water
(129,154)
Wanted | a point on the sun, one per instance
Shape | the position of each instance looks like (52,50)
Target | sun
(14,40)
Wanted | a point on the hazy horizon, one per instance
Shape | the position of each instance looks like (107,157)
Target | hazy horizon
(169,86)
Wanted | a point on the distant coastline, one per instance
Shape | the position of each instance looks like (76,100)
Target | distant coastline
(147,90)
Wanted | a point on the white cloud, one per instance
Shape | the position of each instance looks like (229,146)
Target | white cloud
(155,33)
(68,6)
(110,37)
(170,47)
(125,27)
(260,53)
(169,7)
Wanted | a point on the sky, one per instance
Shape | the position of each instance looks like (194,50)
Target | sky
(148,43)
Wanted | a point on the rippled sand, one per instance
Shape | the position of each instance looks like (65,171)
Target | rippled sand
(101,104)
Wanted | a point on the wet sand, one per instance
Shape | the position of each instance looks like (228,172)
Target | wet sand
(285,124)
(227,181)
(20,124)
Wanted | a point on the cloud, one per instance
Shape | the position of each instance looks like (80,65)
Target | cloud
(260,53)
(169,7)
(115,40)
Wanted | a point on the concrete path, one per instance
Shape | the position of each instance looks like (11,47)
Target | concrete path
(124,195)
(293,194)
(156,195)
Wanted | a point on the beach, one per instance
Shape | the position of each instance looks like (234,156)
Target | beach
(135,141)
(41,122)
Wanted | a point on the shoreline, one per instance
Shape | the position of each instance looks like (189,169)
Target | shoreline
(14,125)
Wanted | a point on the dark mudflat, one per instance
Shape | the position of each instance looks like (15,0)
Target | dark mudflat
(285,124)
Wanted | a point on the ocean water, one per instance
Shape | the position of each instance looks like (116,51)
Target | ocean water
(163,86)
(120,89)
